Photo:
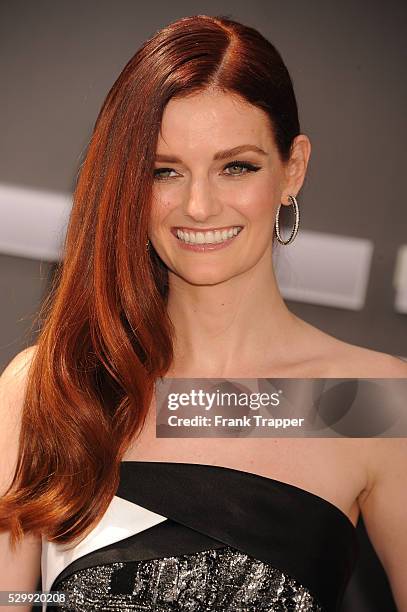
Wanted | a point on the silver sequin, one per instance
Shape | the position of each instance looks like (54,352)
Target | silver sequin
(217,580)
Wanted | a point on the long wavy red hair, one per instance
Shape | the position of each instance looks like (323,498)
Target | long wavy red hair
(105,334)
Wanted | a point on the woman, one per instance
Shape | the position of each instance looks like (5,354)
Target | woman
(168,271)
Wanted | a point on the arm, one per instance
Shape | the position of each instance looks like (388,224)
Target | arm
(384,511)
(20,570)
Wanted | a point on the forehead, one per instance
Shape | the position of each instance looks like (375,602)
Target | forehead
(209,122)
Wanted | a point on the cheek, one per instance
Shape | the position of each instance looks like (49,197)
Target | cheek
(159,210)
(257,204)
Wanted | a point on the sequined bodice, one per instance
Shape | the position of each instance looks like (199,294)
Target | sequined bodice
(201,538)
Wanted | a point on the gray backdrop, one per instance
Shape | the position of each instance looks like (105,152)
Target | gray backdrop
(347,61)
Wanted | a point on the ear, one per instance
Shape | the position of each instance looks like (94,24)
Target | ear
(296,167)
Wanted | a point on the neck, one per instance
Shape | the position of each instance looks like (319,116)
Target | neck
(231,328)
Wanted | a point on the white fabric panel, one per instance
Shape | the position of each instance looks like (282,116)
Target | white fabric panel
(121,520)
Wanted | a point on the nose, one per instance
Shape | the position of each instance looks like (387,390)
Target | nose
(201,203)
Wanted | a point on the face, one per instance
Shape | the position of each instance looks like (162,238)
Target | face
(218,181)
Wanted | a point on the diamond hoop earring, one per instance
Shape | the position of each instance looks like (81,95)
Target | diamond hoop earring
(147,245)
(294,231)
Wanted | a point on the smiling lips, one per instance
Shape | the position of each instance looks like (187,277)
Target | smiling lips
(217,236)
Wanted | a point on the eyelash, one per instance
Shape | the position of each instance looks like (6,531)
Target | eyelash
(241,164)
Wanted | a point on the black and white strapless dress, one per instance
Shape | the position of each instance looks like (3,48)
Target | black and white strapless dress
(201,538)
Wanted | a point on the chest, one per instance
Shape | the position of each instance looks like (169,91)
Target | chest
(332,468)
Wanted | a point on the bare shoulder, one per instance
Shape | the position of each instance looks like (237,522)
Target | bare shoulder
(339,359)
(20,568)
(18,365)
(359,362)
(13,382)
(381,455)
(12,391)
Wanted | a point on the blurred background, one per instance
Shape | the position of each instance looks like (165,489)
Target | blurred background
(346,272)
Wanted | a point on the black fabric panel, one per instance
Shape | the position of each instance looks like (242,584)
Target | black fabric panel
(166,539)
(207,506)
(294,530)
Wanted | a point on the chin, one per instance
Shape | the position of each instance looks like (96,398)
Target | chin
(205,279)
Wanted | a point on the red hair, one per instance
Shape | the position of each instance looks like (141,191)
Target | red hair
(106,336)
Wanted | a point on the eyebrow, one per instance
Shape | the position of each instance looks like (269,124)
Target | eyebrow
(220,155)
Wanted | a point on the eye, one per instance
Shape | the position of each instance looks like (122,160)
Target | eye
(242,164)
(158,171)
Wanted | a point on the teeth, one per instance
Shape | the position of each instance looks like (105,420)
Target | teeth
(211,237)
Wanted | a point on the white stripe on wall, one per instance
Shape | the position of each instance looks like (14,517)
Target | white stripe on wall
(325,269)
(33,222)
(317,268)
